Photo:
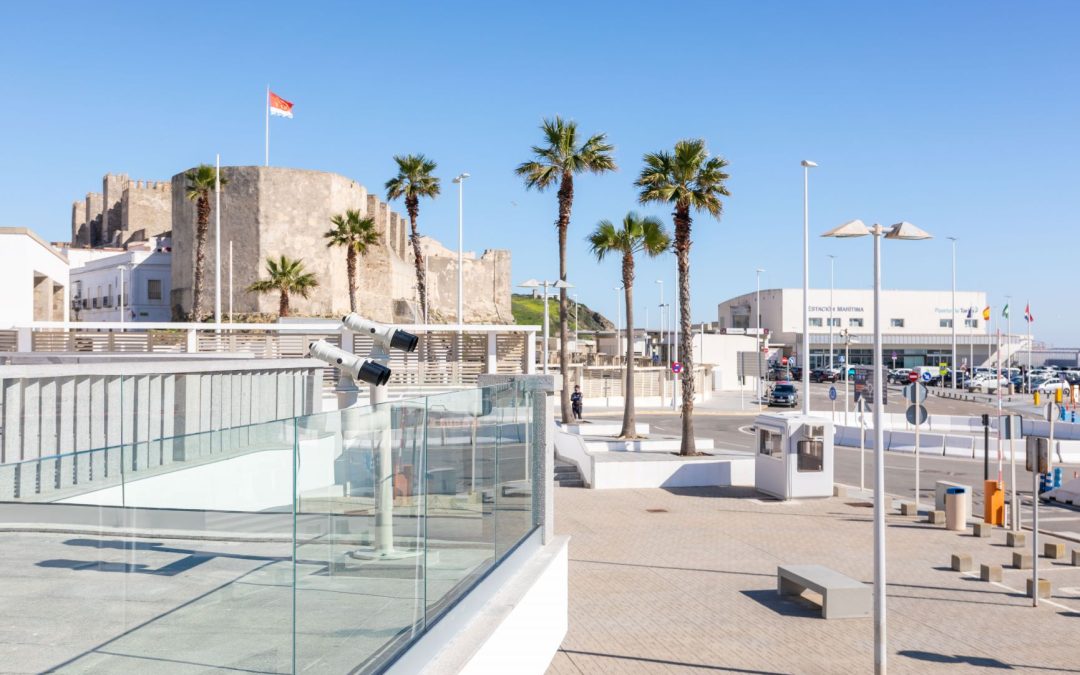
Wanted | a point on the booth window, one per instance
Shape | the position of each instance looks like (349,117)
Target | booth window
(770,443)
(811,455)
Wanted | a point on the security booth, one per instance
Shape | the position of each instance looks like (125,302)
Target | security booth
(794,455)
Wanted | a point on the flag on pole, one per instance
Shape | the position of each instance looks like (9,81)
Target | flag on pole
(1028,316)
(971,313)
(280,107)
(986,313)
(1005,311)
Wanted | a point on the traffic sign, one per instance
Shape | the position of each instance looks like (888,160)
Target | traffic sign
(676,367)
(832,393)
(840,358)
(783,361)
(894,356)
(851,372)
(913,376)
(926,376)
(914,392)
(916,410)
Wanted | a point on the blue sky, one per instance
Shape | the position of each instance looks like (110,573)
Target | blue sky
(960,117)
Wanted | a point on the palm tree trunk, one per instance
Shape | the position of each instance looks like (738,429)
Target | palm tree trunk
(566,202)
(629,426)
(412,205)
(350,265)
(283,304)
(201,231)
(682,253)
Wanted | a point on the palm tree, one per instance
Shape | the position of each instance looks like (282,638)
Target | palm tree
(688,179)
(357,234)
(637,235)
(556,162)
(286,276)
(413,181)
(200,183)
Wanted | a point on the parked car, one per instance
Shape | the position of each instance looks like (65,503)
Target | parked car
(784,394)
(987,384)
(898,375)
(824,375)
(796,372)
(1052,385)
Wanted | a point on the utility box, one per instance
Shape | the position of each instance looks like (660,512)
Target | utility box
(794,455)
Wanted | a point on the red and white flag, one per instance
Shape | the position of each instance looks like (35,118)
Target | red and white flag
(1028,315)
(279,106)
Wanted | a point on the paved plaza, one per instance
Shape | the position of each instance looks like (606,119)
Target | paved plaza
(684,581)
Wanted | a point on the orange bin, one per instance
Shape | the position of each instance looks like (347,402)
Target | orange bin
(993,502)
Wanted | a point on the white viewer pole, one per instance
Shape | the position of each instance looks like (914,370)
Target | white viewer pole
(384,512)
(217,240)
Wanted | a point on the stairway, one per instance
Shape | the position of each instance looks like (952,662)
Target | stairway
(567,474)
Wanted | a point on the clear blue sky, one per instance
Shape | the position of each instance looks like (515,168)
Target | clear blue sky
(960,117)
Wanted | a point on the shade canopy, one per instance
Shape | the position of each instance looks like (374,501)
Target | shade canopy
(852,228)
(905,230)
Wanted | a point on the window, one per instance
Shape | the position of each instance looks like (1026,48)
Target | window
(835,321)
(896,323)
(855,322)
(811,455)
(945,323)
(770,443)
(815,322)
(971,323)
(153,289)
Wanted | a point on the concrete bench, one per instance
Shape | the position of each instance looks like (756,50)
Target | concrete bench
(841,596)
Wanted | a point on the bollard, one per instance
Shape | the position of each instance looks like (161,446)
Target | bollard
(908,509)
(1021,561)
(1015,539)
(1076,557)
(1053,551)
(1044,588)
(981,530)
(990,572)
(936,517)
(961,562)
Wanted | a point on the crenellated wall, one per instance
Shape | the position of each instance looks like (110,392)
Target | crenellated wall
(274,211)
(124,211)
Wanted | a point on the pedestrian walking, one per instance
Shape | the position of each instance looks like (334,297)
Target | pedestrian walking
(575,402)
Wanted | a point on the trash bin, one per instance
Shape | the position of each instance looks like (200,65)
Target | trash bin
(955,509)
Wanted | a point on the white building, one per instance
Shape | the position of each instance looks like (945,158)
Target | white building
(34,276)
(146,276)
(916,325)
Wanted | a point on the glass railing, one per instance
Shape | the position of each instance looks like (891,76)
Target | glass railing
(324,543)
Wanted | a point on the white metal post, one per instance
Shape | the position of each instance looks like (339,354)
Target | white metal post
(832,305)
(804,359)
(230,282)
(847,365)
(121,303)
(880,650)
(266,105)
(760,342)
(460,180)
(676,315)
(217,239)
(544,351)
(618,321)
(953,364)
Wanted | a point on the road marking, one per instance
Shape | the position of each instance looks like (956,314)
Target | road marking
(975,575)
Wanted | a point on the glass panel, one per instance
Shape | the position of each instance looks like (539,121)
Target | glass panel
(811,455)
(461,495)
(514,470)
(360,535)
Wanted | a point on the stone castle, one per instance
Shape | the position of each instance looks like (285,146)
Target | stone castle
(124,211)
(272,211)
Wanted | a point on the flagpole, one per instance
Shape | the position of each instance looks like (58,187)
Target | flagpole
(217,240)
(267,113)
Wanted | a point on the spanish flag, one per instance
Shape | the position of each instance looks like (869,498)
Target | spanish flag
(986,313)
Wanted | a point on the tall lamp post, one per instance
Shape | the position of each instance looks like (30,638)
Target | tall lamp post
(804,360)
(459,180)
(902,230)
(832,305)
(533,283)
(663,326)
(953,320)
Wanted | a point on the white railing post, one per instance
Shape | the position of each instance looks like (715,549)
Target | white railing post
(24,339)
(530,352)
(192,344)
(492,362)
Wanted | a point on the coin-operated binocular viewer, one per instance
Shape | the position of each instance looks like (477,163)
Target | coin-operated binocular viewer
(356,427)
(794,456)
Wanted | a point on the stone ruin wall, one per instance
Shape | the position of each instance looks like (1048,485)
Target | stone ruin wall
(123,212)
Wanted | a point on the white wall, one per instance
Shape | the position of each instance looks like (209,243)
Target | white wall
(99,278)
(722,352)
(23,255)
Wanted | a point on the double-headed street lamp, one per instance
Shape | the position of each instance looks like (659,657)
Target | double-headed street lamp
(902,230)
(533,283)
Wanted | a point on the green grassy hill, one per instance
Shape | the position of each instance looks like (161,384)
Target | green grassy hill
(530,310)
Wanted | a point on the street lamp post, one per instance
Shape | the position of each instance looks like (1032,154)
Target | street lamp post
(459,180)
(832,288)
(902,230)
(953,321)
(120,304)
(805,360)
(533,283)
(663,326)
